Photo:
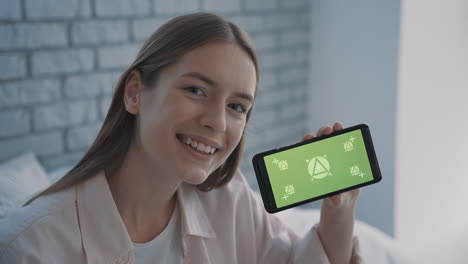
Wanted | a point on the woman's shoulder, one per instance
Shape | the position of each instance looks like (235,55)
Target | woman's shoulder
(28,226)
(231,198)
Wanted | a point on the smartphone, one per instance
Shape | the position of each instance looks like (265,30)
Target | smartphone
(316,168)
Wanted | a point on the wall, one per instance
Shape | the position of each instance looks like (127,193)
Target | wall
(353,79)
(59,60)
(432,142)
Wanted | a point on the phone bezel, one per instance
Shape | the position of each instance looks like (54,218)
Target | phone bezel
(264,181)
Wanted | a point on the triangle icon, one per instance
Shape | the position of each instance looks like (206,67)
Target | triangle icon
(318,167)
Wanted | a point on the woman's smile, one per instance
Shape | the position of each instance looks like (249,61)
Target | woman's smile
(197,149)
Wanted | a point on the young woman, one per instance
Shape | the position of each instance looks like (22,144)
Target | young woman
(161,184)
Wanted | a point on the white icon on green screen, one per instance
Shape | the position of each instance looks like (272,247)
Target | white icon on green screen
(289,190)
(355,171)
(348,146)
(282,165)
(318,167)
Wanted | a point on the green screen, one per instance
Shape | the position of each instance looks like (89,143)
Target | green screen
(318,168)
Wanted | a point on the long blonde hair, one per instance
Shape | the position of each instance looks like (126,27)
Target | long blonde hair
(164,47)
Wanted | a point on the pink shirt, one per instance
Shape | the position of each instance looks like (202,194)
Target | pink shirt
(225,225)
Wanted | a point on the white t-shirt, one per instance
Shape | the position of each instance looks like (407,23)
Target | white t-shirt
(165,248)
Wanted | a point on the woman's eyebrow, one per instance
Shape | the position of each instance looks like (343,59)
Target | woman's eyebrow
(210,82)
(245,96)
(201,77)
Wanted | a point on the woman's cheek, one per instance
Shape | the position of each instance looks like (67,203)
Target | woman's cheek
(237,132)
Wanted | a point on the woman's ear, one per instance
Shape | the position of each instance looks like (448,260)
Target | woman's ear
(132,91)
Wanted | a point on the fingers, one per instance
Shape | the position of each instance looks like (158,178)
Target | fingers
(338,126)
(343,199)
(336,199)
(307,136)
(325,130)
(355,192)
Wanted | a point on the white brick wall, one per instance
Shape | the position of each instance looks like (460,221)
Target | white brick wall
(99,32)
(64,114)
(293,38)
(175,6)
(113,8)
(225,6)
(60,60)
(20,118)
(81,137)
(118,56)
(261,5)
(50,9)
(16,66)
(10,9)
(28,92)
(104,105)
(90,85)
(250,23)
(143,28)
(267,41)
(32,35)
(42,144)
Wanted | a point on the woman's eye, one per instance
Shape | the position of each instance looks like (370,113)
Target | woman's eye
(239,108)
(194,90)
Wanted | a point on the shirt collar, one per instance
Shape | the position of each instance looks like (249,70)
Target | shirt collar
(104,235)
(195,221)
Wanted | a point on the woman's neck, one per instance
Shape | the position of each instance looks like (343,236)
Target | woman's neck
(145,196)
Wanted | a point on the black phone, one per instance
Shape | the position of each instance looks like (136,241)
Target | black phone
(316,168)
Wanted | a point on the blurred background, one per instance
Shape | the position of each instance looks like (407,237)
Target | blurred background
(399,66)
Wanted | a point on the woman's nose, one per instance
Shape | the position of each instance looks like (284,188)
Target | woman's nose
(215,118)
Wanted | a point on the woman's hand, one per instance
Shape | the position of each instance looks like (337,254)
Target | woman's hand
(337,217)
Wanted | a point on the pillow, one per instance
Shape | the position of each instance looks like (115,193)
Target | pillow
(20,178)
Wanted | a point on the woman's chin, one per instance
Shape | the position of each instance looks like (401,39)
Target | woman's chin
(195,178)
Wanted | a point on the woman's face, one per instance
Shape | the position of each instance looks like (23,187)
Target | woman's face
(194,116)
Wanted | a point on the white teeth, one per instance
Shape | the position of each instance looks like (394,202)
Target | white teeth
(199,146)
(207,149)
